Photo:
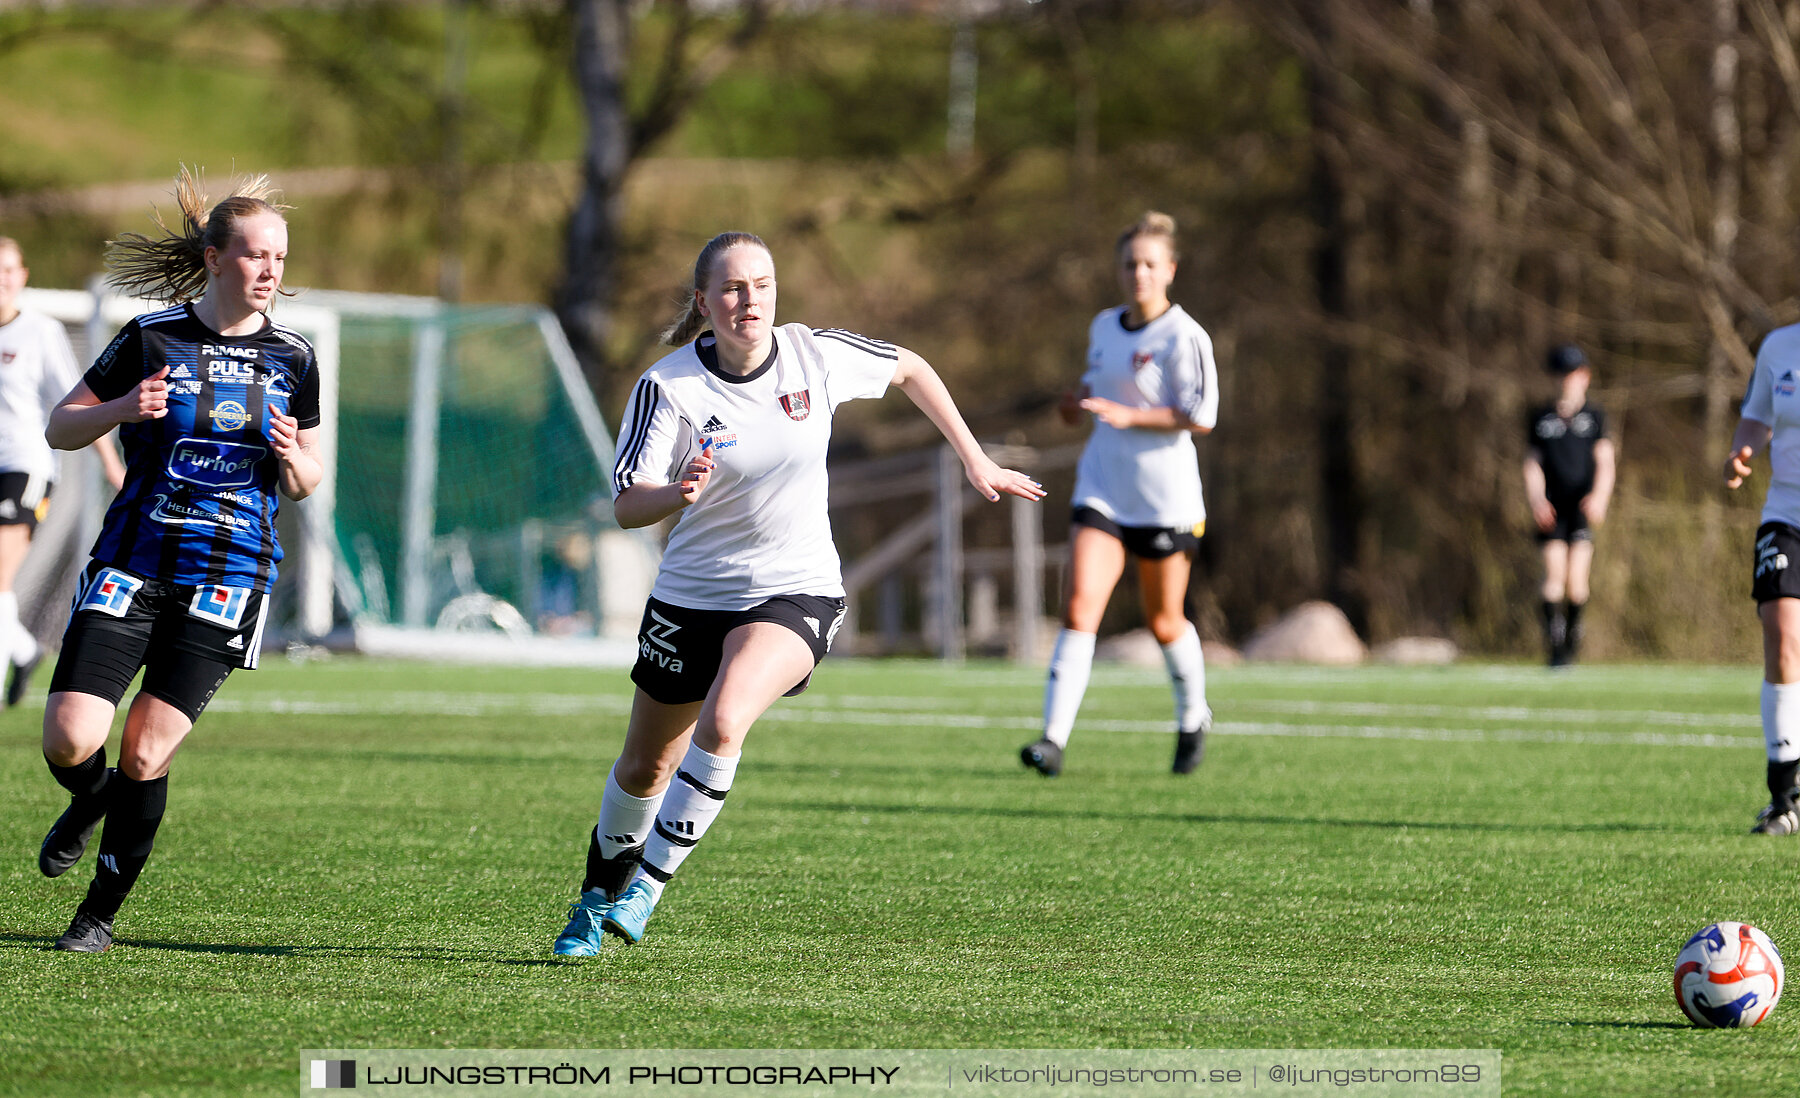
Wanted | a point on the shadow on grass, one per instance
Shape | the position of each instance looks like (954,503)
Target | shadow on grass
(1164,818)
(44,943)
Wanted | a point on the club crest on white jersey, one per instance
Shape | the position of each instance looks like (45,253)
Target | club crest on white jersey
(797,405)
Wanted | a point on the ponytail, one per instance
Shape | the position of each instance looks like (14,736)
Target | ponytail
(172,267)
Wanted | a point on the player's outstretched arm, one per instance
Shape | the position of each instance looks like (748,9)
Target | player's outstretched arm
(81,417)
(1751,435)
(915,377)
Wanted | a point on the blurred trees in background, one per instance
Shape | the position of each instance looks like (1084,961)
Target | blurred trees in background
(1496,176)
(1390,207)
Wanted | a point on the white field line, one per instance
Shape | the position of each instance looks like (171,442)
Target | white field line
(1504,713)
(603,705)
(1678,680)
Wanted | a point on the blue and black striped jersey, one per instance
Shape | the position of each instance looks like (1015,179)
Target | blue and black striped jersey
(201,491)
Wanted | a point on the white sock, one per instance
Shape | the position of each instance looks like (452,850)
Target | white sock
(1071,662)
(624,820)
(689,807)
(1781,720)
(19,643)
(1187,676)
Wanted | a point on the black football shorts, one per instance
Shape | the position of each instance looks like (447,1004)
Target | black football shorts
(679,649)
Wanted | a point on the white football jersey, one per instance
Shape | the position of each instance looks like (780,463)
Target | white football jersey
(760,528)
(1135,476)
(37,369)
(1772,399)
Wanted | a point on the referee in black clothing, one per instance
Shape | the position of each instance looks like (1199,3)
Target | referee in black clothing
(1569,471)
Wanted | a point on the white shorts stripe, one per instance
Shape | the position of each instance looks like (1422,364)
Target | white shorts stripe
(253,646)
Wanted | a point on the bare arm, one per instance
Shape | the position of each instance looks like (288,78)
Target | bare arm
(81,417)
(1605,475)
(1159,418)
(299,471)
(1751,435)
(921,384)
(645,504)
(1541,511)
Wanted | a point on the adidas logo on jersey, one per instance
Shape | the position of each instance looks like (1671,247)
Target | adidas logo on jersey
(713,426)
(235,642)
(180,372)
(813,624)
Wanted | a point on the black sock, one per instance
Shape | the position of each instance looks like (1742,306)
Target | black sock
(1574,624)
(1781,784)
(131,822)
(1556,626)
(610,874)
(85,778)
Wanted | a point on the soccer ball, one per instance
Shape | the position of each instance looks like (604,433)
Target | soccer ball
(1729,974)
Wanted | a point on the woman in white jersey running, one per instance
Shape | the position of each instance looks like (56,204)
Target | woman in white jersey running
(1150,386)
(730,433)
(1771,417)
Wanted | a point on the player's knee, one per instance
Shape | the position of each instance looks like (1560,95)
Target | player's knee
(73,730)
(1083,615)
(141,764)
(725,732)
(65,752)
(1787,660)
(1167,628)
(639,775)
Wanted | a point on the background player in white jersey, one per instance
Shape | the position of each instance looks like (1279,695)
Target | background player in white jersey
(1151,386)
(729,433)
(37,366)
(1771,417)
(1569,474)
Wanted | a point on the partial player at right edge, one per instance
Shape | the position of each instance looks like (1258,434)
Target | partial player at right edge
(1771,417)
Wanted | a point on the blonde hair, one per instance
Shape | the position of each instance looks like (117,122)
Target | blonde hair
(1153,223)
(8,244)
(689,323)
(172,267)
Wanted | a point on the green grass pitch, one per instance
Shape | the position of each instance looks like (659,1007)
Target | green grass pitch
(363,855)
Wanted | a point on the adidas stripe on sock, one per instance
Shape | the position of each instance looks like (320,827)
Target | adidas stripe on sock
(693,801)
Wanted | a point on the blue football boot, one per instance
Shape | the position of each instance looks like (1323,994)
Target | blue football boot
(628,917)
(582,937)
